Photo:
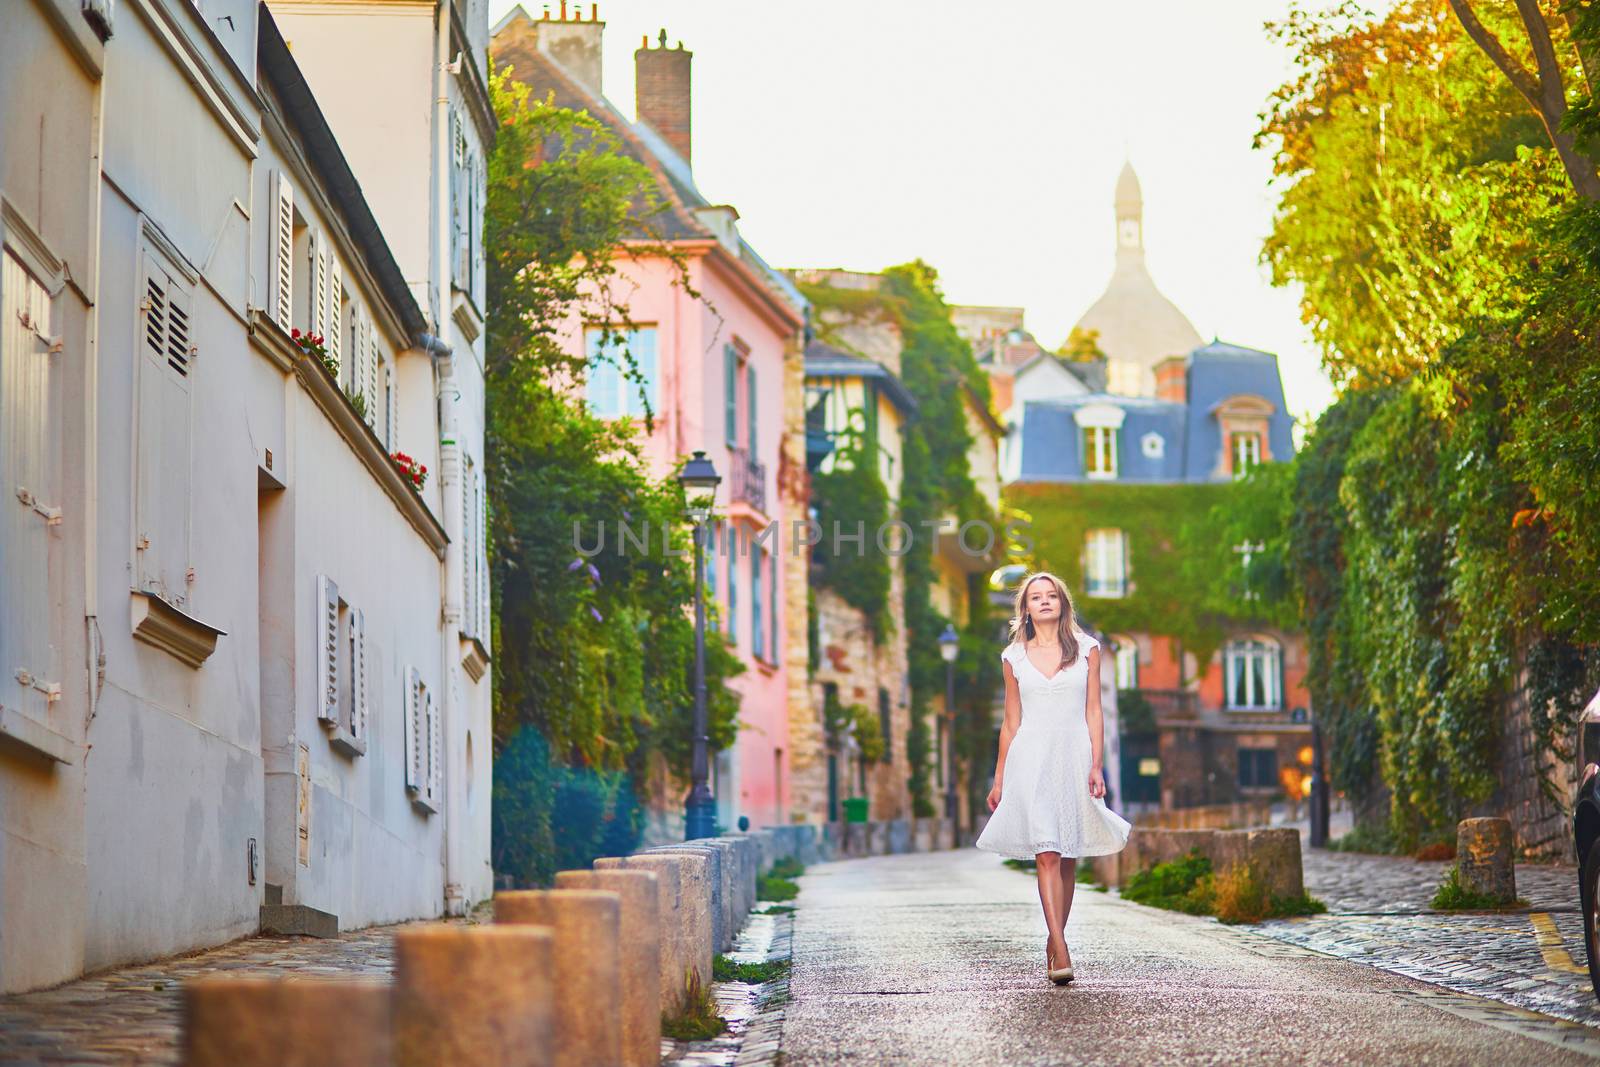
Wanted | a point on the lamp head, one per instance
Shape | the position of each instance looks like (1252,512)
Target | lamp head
(949,644)
(699,479)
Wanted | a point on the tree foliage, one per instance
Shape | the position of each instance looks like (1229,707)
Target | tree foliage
(593,647)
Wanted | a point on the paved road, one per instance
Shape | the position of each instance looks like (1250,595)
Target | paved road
(938,959)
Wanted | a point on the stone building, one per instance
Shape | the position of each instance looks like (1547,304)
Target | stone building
(722,374)
(1162,409)
(222,711)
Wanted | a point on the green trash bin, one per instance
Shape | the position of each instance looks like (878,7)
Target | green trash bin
(855,809)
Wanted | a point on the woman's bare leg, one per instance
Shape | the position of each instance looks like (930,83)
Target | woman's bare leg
(1048,869)
(1069,882)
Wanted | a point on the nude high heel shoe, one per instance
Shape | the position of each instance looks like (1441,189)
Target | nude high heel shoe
(1058,975)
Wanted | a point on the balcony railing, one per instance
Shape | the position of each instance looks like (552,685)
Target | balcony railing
(747,482)
(1171,703)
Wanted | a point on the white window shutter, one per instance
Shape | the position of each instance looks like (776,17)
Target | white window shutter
(391,388)
(29,454)
(414,732)
(469,555)
(483,562)
(358,664)
(435,753)
(369,378)
(327,650)
(319,289)
(176,447)
(334,334)
(283,255)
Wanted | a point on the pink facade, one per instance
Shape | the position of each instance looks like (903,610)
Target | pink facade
(737,332)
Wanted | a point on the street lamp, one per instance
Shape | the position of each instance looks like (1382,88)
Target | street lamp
(699,480)
(949,649)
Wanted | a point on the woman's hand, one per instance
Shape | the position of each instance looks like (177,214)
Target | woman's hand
(1097,783)
(994,798)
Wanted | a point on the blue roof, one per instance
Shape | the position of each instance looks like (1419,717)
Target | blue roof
(1190,444)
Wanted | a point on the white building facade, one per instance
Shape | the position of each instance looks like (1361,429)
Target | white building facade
(234,627)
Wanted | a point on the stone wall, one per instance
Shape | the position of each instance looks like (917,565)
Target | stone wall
(1541,825)
(808,755)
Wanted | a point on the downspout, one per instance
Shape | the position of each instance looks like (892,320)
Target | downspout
(449,457)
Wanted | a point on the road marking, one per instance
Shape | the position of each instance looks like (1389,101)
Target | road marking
(1551,946)
(1575,1037)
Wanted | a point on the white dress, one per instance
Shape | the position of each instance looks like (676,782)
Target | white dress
(1045,804)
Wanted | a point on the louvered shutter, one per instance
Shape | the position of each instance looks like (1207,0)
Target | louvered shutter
(358,665)
(29,458)
(772,598)
(469,550)
(414,746)
(163,464)
(435,742)
(327,650)
(730,388)
(480,186)
(484,604)
(334,335)
(283,255)
(369,378)
(391,388)
(319,289)
(750,407)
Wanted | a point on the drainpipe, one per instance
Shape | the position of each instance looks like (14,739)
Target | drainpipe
(449,462)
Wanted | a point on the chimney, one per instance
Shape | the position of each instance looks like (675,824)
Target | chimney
(662,80)
(573,42)
(1172,379)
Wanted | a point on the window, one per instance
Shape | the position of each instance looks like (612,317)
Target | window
(730,395)
(1105,563)
(424,737)
(1127,663)
(732,548)
(713,609)
(758,633)
(342,690)
(30,459)
(885,725)
(474,564)
(611,387)
(1246,453)
(162,534)
(1253,672)
(1258,768)
(1099,452)
(1153,445)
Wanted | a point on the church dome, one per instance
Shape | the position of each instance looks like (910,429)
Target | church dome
(1138,326)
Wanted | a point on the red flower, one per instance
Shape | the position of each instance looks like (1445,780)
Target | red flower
(295,333)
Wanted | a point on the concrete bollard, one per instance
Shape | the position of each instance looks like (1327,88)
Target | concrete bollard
(1483,858)
(897,834)
(684,902)
(718,880)
(1273,856)
(588,969)
(482,995)
(285,1022)
(641,951)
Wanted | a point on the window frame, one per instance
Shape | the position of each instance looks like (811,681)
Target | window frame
(1096,559)
(1244,653)
(627,401)
(1243,442)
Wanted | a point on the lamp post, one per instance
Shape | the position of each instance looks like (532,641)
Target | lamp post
(699,480)
(949,649)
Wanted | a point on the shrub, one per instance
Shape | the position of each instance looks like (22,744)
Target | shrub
(1171,885)
(699,1020)
(1234,896)
(1453,896)
(770,887)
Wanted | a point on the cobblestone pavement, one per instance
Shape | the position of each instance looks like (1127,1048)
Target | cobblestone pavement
(1380,914)
(130,1017)
(936,958)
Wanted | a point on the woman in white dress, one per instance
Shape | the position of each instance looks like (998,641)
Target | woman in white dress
(1048,800)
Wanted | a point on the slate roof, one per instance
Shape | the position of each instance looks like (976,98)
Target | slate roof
(825,361)
(1191,433)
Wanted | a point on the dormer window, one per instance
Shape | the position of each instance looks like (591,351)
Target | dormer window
(1101,425)
(1153,445)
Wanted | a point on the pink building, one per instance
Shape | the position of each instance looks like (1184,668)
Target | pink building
(718,367)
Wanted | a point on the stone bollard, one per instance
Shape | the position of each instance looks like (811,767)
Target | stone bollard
(897,837)
(1483,858)
(685,908)
(720,881)
(285,1022)
(482,995)
(588,968)
(1273,856)
(641,949)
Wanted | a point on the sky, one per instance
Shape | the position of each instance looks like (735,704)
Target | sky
(986,139)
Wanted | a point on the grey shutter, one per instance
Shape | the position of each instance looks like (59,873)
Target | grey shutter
(327,632)
(164,457)
(414,733)
(359,707)
(730,385)
(283,255)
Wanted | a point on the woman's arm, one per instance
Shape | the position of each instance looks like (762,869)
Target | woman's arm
(1096,723)
(1008,729)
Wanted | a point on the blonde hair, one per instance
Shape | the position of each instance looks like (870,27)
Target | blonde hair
(1021,629)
